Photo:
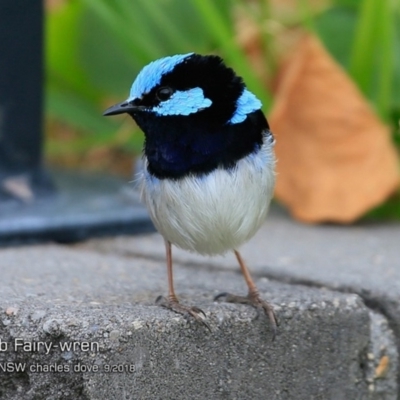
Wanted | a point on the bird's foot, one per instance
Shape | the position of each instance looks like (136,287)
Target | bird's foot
(174,305)
(253,299)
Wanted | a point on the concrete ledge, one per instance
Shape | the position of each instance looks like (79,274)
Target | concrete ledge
(362,259)
(104,304)
(383,360)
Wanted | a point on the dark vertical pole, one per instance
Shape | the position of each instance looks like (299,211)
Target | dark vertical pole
(21,92)
(84,205)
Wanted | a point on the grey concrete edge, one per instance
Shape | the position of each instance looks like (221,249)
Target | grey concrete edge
(382,359)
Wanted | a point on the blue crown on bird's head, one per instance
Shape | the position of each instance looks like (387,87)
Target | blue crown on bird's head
(198,83)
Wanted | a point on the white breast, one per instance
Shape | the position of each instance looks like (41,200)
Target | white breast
(216,212)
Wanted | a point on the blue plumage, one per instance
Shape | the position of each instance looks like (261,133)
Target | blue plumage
(189,101)
(183,103)
(246,104)
(197,115)
(150,76)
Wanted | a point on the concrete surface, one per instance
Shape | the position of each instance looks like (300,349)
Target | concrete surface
(383,360)
(362,259)
(83,205)
(99,297)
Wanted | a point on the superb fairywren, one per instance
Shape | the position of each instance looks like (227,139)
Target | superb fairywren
(208,161)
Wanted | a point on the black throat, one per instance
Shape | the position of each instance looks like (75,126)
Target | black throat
(178,146)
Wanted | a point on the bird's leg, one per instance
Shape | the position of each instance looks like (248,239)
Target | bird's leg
(172,302)
(253,297)
(171,291)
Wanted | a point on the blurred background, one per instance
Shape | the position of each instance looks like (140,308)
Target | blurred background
(95,48)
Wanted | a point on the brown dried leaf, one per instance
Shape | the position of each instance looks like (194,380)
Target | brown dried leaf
(382,367)
(336,160)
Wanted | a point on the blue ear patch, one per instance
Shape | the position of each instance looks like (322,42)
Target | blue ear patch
(150,76)
(183,103)
(245,104)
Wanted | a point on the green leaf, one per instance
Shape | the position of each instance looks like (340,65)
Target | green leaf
(336,28)
(110,67)
(117,39)
(364,45)
(352,4)
(77,112)
(62,58)
(396,61)
(367,44)
(386,32)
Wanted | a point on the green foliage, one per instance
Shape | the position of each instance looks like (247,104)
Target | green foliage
(337,39)
(364,36)
(95,48)
(109,41)
(387,211)
(71,97)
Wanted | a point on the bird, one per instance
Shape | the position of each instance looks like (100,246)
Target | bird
(208,164)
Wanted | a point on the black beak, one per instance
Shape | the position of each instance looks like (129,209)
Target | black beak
(120,108)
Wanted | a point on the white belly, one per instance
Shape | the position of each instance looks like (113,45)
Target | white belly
(213,213)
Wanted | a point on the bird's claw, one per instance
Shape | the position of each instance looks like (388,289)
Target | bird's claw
(254,300)
(186,311)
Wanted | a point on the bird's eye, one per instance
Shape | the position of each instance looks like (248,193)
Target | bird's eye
(164,93)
